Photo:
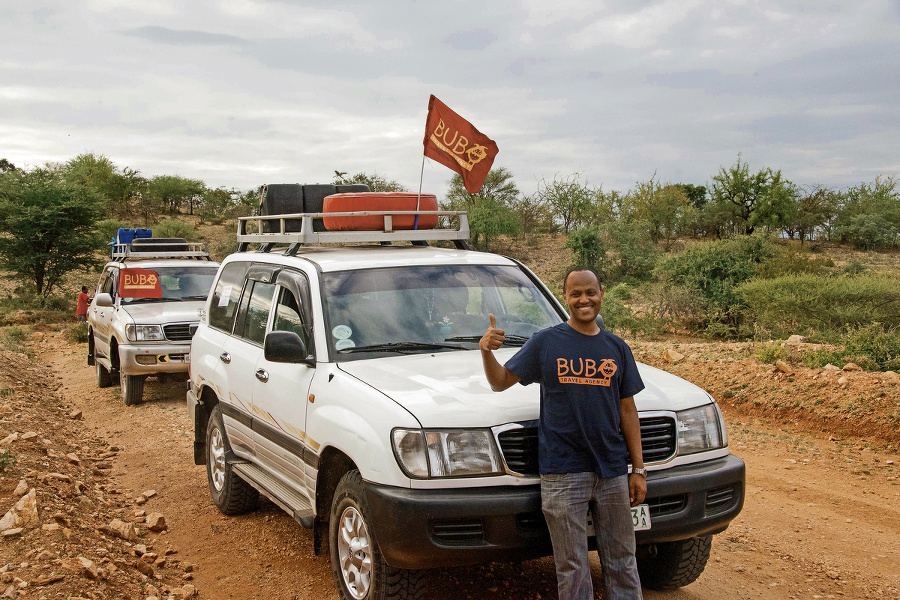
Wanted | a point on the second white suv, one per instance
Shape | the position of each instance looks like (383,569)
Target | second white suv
(136,334)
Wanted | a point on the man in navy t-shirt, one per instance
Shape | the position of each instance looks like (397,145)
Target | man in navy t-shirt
(589,428)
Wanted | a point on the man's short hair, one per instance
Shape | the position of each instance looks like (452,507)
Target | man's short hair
(84,288)
(581,268)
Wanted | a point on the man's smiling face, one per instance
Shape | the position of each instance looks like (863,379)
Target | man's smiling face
(583,296)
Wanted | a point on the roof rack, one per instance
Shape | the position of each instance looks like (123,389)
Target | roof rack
(159,248)
(308,234)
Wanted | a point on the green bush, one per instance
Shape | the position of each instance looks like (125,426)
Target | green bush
(793,260)
(588,248)
(876,342)
(820,305)
(714,270)
(109,227)
(818,358)
(13,339)
(60,303)
(7,459)
(870,232)
(77,334)
(173,228)
(633,255)
(770,353)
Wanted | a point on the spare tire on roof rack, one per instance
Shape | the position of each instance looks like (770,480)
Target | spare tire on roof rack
(379,201)
(159,245)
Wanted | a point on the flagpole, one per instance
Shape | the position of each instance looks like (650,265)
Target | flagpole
(419,197)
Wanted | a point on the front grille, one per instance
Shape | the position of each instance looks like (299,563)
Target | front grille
(457,532)
(520,450)
(520,446)
(657,438)
(179,332)
(666,505)
(719,500)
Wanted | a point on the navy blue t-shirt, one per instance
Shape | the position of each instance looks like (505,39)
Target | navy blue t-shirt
(583,378)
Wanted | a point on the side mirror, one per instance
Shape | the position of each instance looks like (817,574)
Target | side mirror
(599,320)
(286,347)
(103,299)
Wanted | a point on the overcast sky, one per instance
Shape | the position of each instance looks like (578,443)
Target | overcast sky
(244,92)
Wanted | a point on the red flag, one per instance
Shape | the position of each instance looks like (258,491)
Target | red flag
(456,144)
(139,283)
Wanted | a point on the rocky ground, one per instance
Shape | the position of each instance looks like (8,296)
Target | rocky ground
(105,502)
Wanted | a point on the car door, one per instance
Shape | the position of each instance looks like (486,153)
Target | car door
(101,317)
(240,353)
(280,395)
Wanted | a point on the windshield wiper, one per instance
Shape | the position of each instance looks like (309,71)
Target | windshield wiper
(400,347)
(141,300)
(510,340)
(197,297)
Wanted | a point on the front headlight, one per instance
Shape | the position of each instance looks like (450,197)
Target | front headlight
(699,430)
(446,452)
(144,333)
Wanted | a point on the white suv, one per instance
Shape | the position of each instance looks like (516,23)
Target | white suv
(129,337)
(345,383)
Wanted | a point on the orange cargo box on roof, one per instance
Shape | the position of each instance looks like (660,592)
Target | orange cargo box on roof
(375,201)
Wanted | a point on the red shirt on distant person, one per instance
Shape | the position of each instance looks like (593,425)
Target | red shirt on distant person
(81,310)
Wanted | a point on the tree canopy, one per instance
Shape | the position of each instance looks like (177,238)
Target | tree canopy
(50,225)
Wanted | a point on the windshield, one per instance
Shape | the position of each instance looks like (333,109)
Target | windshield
(432,308)
(180,283)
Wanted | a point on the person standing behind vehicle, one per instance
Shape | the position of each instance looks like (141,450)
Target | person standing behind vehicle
(589,426)
(81,308)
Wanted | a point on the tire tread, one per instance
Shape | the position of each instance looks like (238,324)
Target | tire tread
(678,563)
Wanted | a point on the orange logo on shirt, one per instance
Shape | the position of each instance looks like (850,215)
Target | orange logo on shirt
(586,371)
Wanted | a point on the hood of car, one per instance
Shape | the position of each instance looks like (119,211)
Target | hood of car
(160,313)
(449,389)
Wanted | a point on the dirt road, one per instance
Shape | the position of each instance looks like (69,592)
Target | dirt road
(821,518)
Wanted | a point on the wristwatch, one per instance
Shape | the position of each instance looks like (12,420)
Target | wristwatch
(641,471)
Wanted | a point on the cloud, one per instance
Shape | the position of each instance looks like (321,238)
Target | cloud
(164,35)
(475,39)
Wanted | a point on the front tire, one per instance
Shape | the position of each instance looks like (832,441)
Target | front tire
(359,570)
(672,565)
(231,494)
(132,388)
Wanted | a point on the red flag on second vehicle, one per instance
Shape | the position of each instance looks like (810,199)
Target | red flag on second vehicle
(456,144)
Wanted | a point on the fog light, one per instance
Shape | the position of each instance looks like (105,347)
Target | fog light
(145,359)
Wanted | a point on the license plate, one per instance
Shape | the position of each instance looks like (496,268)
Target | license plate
(640,518)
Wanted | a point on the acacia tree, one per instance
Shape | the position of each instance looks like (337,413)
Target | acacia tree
(666,210)
(761,199)
(173,191)
(490,209)
(376,182)
(51,227)
(568,199)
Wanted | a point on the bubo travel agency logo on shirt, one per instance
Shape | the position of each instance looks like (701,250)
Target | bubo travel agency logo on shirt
(586,371)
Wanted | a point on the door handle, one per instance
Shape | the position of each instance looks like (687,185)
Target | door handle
(225,357)
(262,375)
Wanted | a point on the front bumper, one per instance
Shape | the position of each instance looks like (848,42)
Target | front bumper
(455,527)
(158,358)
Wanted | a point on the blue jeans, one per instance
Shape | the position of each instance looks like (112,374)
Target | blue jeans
(565,500)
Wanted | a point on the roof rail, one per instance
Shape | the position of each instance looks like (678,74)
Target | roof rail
(308,235)
(160,248)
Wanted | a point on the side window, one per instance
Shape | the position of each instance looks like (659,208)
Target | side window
(227,295)
(287,314)
(109,283)
(255,312)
